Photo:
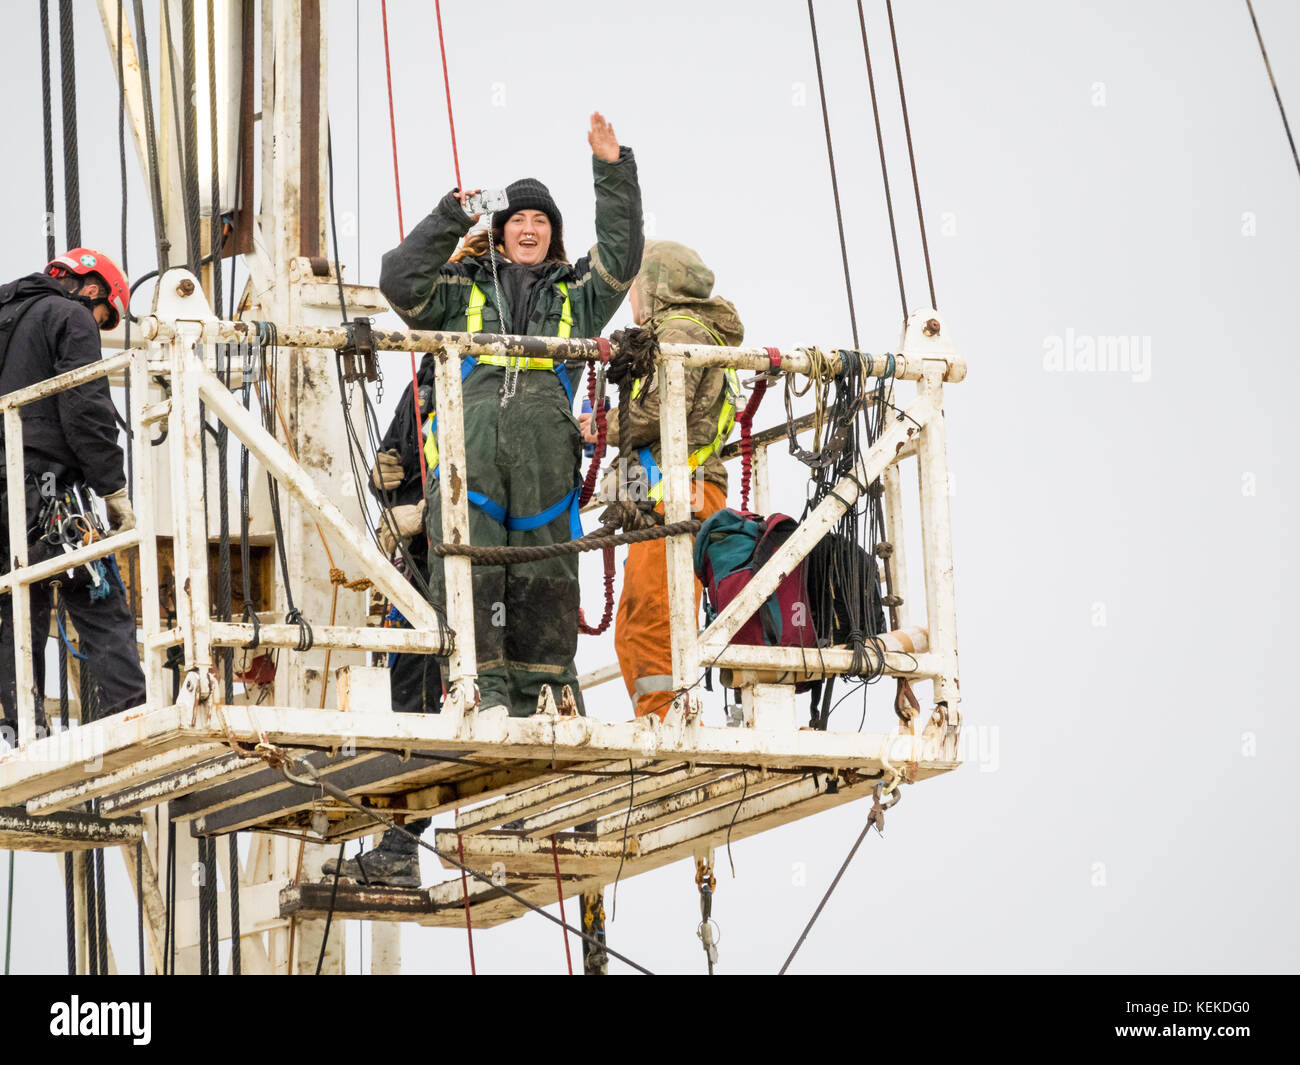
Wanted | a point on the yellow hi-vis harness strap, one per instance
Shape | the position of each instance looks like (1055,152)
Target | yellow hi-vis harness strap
(726,420)
(474,324)
(494,510)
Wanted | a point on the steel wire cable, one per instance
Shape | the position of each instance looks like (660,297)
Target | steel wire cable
(835,185)
(484,878)
(101,901)
(215,240)
(825,898)
(132,557)
(51,249)
(71,165)
(236,952)
(190,169)
(9,914)
(139,903)
(1286,125)
(911,155)
(884,168)
(151,139)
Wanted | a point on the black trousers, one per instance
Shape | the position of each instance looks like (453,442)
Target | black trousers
(106,632)
(415,682)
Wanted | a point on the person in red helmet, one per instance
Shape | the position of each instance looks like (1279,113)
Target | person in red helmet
(50,324)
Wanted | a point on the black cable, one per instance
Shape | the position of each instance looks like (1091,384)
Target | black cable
(70,895)
(334,228)
(884,169)
(51,249)
(214,933)
(169,924)
(201,900)
(139,903)
(911,155)
(71,166)
(133,557)
(627,824)
(215,240)
(151,141)
(329,916)
(1272,81)
(70,912)
(826,898)
(835,185)
(101,900)
(236,953)
(92,913)
(190,158)
(744,790)
(450,860)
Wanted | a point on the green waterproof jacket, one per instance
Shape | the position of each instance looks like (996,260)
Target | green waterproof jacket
(431,293)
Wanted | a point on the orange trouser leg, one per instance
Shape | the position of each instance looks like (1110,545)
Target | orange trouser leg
(642,634)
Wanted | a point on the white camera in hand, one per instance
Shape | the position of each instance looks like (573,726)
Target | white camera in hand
(489,201)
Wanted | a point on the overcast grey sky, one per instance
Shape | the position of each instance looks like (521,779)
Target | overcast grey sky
(1125,574)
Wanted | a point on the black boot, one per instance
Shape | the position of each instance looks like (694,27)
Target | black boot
(388,865)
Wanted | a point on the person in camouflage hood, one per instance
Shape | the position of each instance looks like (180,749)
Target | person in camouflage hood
(673,296)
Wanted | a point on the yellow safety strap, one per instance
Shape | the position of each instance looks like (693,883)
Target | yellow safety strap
(430,444)
(474,324)
(474,321)
(726,416)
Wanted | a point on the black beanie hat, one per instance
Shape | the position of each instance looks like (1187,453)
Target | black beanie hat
(530,194)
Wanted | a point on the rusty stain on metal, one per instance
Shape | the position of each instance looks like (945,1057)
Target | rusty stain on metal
(931,327)
(185,288)
(454,482)
(186,586)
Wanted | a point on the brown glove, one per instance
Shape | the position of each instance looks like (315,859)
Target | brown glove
(388,473)
(408,521)
(120,515)
(623,513)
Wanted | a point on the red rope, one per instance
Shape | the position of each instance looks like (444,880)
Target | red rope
(608,615)
(401,235)
(464,890)
(589,488)
(746,420)
(598,453)
(392,121)
(446,80)
(559,890)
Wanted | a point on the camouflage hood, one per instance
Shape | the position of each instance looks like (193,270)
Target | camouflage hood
(674,280)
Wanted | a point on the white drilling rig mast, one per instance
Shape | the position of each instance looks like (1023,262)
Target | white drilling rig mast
(325,759)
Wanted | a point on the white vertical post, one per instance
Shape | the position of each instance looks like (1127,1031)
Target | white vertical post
(80,932)
(677,475)
(762,481)
(190,544)
(457,570)
(892,480)
(145,521)
(385,948)
(936,535)
(21,602)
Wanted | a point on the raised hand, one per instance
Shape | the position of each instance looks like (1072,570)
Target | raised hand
(601,137)
(463,195)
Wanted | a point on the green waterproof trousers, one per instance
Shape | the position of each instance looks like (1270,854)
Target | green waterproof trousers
(525,456)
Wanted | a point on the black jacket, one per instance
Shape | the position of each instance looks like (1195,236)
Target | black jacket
(402,437)
(73,433)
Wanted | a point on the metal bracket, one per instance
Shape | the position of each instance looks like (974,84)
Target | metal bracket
(178,295)
(360,346)
(925,337)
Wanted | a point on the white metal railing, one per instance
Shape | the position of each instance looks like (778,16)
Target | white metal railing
(191,383)
(918,432)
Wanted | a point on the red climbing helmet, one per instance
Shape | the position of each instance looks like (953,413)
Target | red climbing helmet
(83,261)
